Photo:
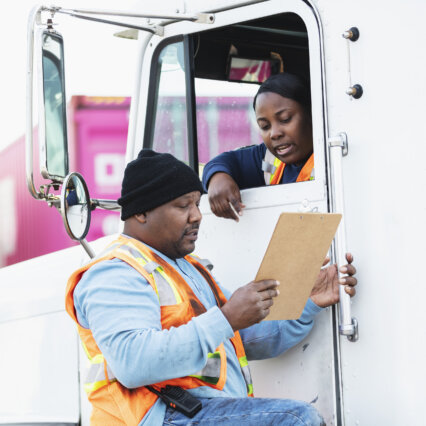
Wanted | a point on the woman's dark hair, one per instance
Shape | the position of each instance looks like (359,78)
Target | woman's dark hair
(288,86)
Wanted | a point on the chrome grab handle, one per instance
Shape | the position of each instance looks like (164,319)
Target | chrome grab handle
(338,147)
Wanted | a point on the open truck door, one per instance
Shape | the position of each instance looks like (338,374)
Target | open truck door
(191,105)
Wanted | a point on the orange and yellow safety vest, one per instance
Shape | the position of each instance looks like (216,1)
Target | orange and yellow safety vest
(274,168)
(113,404)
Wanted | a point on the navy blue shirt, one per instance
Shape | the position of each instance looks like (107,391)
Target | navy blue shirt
(244,165)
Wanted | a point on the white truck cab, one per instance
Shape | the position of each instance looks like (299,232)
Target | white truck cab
(363,364)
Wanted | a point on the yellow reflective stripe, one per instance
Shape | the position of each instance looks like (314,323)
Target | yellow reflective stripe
(97,359)
(160,270)
(243,361)
(91,387)
(277,162)
(207,379)
(246,374)
(211,371)
(250,389)
(143,261)
(171,284)
(96,378)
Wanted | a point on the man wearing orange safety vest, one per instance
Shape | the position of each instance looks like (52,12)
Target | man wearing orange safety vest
(162,337)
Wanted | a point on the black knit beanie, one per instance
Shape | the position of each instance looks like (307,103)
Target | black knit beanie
(288,86)
(154,179)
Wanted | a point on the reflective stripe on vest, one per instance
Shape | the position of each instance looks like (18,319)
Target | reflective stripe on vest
(246,373)
(211,372)
(96,377)
(273,169)
(164,287)
(242,359)
(268,166)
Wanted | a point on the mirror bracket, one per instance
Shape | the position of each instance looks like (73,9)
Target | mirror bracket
(110,205)
(51,199)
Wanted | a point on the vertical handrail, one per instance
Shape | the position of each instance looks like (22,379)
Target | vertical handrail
(338,147)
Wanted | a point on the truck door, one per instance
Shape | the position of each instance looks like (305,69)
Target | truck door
(194,110)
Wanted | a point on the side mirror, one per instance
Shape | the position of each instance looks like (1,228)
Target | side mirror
(75,206)
(52,109)
(47,47)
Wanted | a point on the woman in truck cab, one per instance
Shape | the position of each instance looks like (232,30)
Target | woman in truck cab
(283,113)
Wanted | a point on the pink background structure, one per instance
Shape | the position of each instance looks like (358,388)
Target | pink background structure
(97,142)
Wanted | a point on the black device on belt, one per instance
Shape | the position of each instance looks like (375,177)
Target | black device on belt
(179,399)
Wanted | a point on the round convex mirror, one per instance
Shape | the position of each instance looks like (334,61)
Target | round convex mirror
(75,206)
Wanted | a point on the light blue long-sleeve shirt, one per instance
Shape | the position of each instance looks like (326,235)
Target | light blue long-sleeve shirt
(121,309)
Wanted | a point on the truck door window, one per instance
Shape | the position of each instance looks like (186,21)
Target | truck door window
(225,116)
(169,115)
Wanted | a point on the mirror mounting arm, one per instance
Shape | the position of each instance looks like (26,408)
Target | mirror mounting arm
(51,199)
(110,205)
(87,248)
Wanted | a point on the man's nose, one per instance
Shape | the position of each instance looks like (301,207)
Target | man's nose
(195,214)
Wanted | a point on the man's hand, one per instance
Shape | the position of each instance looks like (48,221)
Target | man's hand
(224,196)
(326,289)
(250,304)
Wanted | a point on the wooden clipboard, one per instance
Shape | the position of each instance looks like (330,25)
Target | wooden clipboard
(294,257)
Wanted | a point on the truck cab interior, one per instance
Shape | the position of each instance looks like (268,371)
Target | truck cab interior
(217,73)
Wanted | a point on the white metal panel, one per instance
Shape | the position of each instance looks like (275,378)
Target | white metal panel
(384,372)
(39,356)
(306,371)
(39,363)
(37,286)
(40,368)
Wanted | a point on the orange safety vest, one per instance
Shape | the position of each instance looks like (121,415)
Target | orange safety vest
(114,404)
(274,169)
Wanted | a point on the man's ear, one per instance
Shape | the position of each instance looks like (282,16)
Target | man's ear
(140,217)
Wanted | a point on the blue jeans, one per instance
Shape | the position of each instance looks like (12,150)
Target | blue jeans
(248,412)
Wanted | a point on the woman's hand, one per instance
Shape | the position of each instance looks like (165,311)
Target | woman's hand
(224,196)
(326,289)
